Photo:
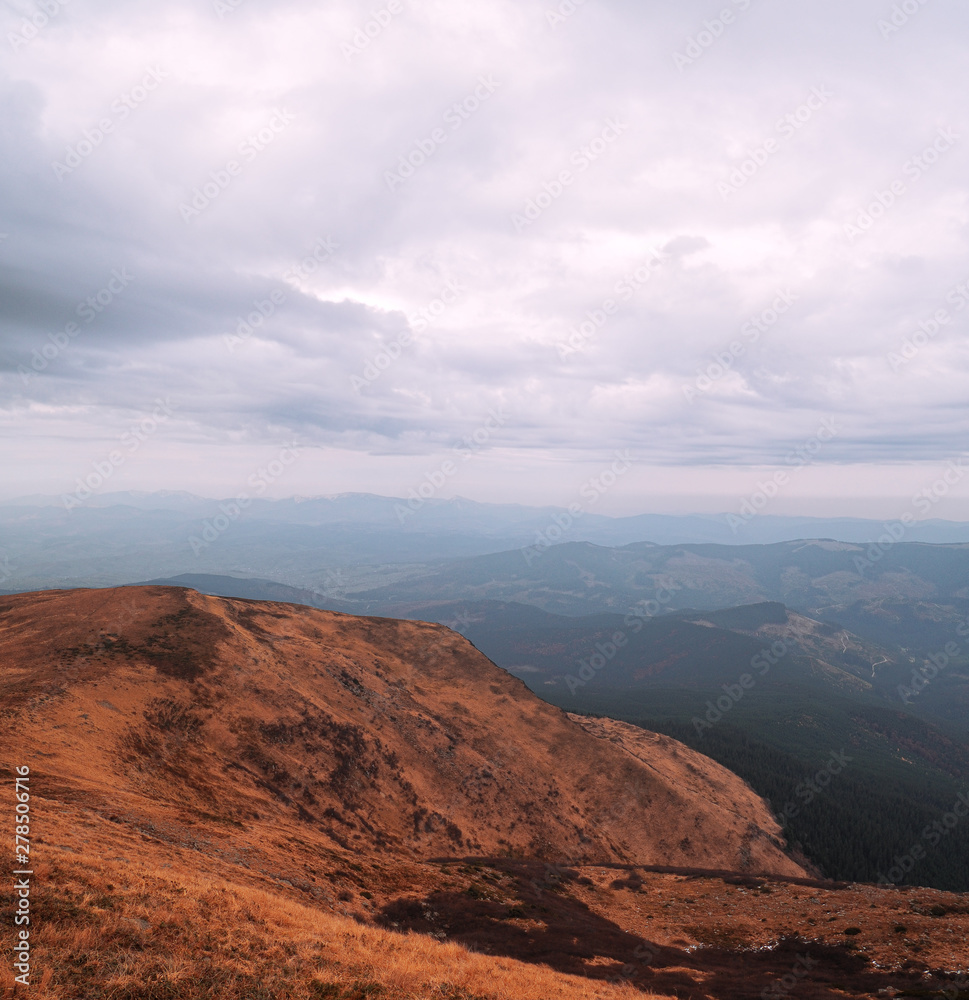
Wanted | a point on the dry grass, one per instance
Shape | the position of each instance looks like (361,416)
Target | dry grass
(227,803)
(119,915)
(369,734)
(113,931)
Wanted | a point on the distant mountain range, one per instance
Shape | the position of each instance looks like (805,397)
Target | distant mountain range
(348,541)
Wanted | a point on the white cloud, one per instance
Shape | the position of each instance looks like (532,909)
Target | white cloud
(650,183)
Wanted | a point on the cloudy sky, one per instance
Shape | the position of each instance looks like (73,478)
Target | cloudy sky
(486,247)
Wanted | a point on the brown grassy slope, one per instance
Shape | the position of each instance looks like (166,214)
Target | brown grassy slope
(192,760)
(119,914)
(170,709)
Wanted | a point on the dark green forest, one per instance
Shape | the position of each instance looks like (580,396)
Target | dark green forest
(863,826)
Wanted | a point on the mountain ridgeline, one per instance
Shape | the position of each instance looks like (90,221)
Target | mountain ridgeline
(363,733)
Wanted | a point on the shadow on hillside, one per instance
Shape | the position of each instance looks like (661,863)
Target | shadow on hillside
(539,922)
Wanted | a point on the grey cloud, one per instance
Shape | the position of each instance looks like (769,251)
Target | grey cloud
(450,221)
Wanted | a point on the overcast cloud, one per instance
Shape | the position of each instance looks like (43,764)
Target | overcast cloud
(476,181)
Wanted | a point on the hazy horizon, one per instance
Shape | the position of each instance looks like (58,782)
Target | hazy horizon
(861,508)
